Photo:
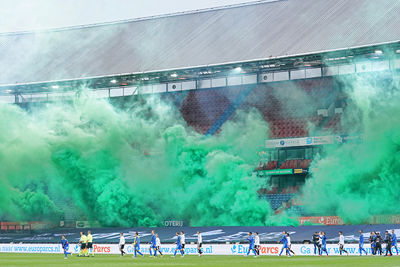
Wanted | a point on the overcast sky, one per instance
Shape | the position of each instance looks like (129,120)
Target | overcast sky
(27,15)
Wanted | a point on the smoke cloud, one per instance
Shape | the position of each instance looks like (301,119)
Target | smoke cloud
(137,163)
(359,179)
(135,166)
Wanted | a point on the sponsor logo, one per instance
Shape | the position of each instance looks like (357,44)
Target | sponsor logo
(269,250)
(173,223)
(265,250)
(298,170)
(41,248)
(103,249)
(325,220)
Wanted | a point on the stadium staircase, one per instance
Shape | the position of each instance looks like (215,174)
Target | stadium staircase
(230,110)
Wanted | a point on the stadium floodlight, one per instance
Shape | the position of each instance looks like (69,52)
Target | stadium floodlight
(398,51)
(113,81)
(378,52)
(174,75)
(8,91)
(237,69)
(205,72)
(350,54)
(55,87)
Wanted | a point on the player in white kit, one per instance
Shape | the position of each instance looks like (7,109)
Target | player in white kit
(289,244)
(199,243)
(122,244)
(257,243)
(183,242)
(158,245)
(341,244)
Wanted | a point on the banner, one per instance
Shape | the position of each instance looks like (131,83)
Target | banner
(275,172)
(325,220)
(301,171)
(28,225)
(312,141)
(386,219)
(281,172)
(211,234)
(82,224)
(302,141)
(208,249)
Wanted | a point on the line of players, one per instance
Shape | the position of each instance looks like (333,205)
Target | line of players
(254,244)
(155,244)
(376,240)
(319,241)
(85,243)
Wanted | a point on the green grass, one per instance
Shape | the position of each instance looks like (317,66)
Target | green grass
(206,261)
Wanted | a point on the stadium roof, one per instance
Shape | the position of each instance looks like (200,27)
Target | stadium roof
(265,29)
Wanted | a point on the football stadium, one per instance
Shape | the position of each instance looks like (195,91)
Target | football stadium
(261,133)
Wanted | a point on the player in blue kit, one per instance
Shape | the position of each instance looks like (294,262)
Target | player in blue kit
(251,245)
(178,245)
(323,243)
(285,244)
(394,242)
(153,245)
(372,238)
(65,246)
(136,245)
(361,244)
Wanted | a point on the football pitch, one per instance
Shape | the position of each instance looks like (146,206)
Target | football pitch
(206,261)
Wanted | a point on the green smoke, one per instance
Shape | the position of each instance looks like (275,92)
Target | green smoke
(137,163)
(133,166)
(357,180)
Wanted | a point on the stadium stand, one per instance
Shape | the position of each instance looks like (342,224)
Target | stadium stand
(295,163)
(202,108)
(271,165)
(276,200)
(288,107)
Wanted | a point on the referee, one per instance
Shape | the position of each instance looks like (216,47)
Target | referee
(89,244)
(82,242)
(199,243)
